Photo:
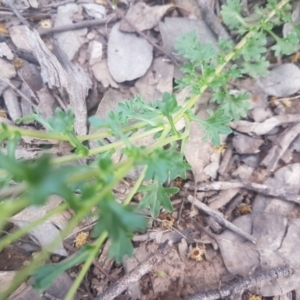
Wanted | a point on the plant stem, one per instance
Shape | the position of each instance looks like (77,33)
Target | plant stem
(101,149)
(135,187)
(228,57)
(23,274)
(24,230)
(9,208)
(86,266)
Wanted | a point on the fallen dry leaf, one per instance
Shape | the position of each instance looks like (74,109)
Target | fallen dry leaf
(143,16)
(157,80)
(277,237)
(282,81)
(94,10)
(12,104)
(102,74)
(69,41)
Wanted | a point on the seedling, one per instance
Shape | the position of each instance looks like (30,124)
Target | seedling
(89,188)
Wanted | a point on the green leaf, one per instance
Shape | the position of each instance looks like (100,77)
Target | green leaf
(163,163)
(136,109)
(157,196)
(214,126)
(231,13)
(191,48)
(41,177)
(119,221)
(168,106)
(255,69)
(12,145)
(237,105)
(121,247)
(44,276)
(287,45)
(254,47)
(62,121)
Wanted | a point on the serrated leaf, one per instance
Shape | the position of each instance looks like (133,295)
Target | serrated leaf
(254,47)
(216,124)
(237,105)
(286,45)
(157,197)
(231,12)
(168,106)
(119,221)
(41,177)
(163,163)
(255,69)
(43,277)
(62,121)
(191,48)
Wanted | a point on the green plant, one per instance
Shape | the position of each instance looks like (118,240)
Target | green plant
(90,187)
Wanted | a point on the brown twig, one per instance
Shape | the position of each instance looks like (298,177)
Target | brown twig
(10,4)
(103,271)
(256,187)
(6,81)
(212,20)
(241,285)
(143,268)
(79,25)
(56,4)
(95,263)
(217,216)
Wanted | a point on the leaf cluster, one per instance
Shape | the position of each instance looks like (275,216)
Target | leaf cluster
(89,188)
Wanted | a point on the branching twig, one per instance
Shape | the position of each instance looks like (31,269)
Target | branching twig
(135,275)
(10,4)
(220,219)
(243,284)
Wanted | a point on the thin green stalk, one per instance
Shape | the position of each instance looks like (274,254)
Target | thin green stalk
(101,149)
(59,137)
(43,255)
(24,273)
(14,190)
(187,132)
(164,142)
(24,230)
(165,132)
(9,208)
(135,187)
(271,33)
(86,266)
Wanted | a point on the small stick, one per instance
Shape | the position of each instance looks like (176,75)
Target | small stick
(10,4)
(212,20)
(242,284)
(256,187)
(143,268)
(79,25)
(6,81)
(56,4)
(218,217)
